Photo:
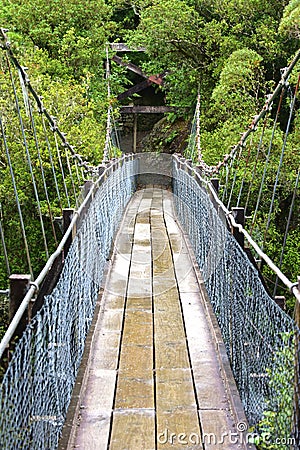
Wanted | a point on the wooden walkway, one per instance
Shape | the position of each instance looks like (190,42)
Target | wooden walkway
(157,376)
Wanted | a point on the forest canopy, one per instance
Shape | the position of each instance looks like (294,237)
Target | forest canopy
(231,51)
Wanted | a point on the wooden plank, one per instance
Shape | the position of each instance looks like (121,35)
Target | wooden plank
(112,320)
(175,390)
(179,430)
(170,354)
(167,301)
(121,47)
(174,384)
(95,411)
(139,303)
(133,429)
(138,288)
(167,330)
(105,350)
(129,66)
(114,301)
(140,109)
(94,421)
(134,89)
(136,358)
(135,383)
(135,390)
(124,243)
(163,283)
(216,427)
(176,409)
(213,391)
(138,328)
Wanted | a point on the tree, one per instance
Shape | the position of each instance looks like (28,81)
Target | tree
(290,22)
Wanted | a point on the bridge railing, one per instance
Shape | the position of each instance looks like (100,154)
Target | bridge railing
(37,386)
(259,336)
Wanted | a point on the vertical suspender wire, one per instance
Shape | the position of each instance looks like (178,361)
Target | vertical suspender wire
(51,161)
(17,198)
(116,132)
(71,174)
(267,161)
(77,172)
(226,182)
(4,244)
(108,123)
(244,174)
(82,174)
(292,106)
(107,139)
(287,229)
(256,161)
(190,149)
(198,139)
(61,169)
(42,169)
(234,177)
(28,155)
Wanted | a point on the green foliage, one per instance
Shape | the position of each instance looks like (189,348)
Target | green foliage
(290,23)
(239,79)
(73,33)
(277,419)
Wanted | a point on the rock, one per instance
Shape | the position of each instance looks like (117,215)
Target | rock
(167,137)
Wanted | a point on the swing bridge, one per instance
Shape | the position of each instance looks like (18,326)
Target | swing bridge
(150,325)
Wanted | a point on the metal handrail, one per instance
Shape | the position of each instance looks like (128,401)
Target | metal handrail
(34,286)
(293,287)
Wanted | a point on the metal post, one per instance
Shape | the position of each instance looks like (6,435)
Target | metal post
(280,300)
(199,176)
(101,169)
(239,216)
(87,187)
(134,133)
(216,184)
(297,373)
(67,218)
(19,285)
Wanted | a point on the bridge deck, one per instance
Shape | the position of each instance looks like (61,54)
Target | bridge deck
(155,379)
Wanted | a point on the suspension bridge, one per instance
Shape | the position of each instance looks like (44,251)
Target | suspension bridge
(150,325)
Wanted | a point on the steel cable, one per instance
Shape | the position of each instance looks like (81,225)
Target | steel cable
(37,146)
(292,106)
(2,237)
(267,160)
(16,198)
(28,153)
(291,210)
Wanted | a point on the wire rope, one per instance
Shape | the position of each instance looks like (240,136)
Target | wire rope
(28,155)
(291,210)
(267,161)
(292,106)
(16,198)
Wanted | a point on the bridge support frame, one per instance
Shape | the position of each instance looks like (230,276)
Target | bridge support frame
(67,218)
(19,285)
(239,216)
